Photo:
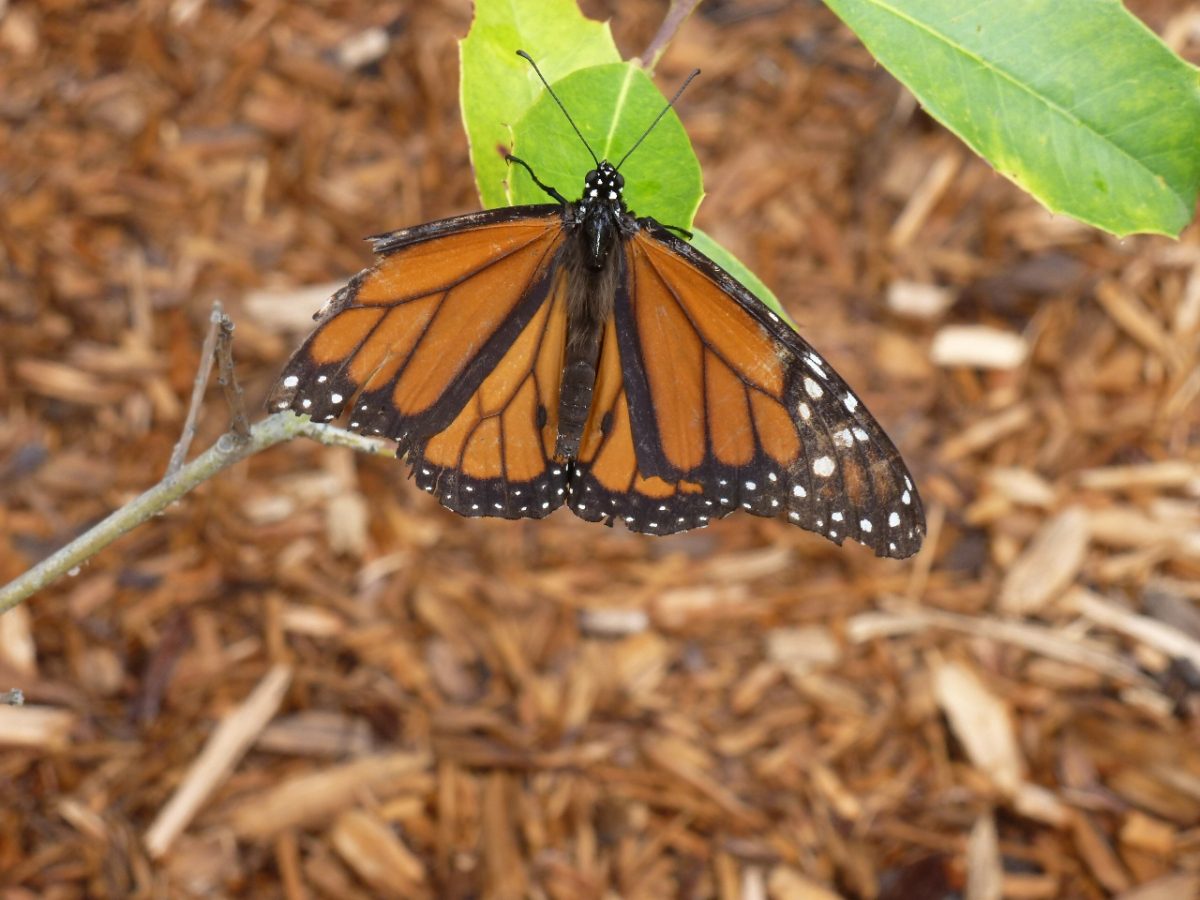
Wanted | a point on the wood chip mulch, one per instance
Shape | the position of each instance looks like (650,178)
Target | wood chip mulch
(304,680)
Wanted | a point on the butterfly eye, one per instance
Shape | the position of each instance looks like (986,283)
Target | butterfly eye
(618,180)
(592,176)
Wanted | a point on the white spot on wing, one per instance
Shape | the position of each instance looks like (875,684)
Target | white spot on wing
(799,491)
(291,381)
(812,388)
(823,466)
(894,520)
(842,438)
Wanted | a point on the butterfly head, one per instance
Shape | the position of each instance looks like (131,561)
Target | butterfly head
(603,186)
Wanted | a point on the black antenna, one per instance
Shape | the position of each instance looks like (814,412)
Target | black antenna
(522,53)
(658,119)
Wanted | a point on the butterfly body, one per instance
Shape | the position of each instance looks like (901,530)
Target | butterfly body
(573,354)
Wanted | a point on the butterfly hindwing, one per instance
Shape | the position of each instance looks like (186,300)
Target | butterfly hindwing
(728,408)
(496,457)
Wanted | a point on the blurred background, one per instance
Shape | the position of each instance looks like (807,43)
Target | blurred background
(358,694)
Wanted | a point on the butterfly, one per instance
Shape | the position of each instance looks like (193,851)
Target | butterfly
(573,353)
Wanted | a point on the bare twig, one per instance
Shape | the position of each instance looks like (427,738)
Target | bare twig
(676,16)
(199,386)
(224,453)
(227,378)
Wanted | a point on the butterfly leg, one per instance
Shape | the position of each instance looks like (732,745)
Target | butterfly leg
(510,159)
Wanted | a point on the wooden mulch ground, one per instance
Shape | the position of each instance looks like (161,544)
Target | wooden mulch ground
(306,680)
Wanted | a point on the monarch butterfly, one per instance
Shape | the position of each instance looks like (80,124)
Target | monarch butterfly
(531,356)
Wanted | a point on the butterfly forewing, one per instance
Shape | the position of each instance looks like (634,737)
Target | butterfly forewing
(728,408)
(407,344)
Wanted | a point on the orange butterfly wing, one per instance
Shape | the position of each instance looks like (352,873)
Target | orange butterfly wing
(707,402)
(451,345)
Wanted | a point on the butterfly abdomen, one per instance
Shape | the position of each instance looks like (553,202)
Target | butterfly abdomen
(591,272)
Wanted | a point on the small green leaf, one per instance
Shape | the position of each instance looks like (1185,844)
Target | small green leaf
(497,86)
(1074,100)
(613,105)
(738,270)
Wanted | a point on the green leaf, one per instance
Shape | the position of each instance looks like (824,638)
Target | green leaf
(613,105)
(505,105)
(738,270)
(1074,100)
(497,86)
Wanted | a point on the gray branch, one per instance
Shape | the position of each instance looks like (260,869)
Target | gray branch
(228,450)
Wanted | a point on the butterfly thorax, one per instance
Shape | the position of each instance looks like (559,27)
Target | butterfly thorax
(600,213)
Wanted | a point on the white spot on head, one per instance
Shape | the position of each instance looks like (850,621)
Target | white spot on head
(906,498)
(612,195)
(894,519)
(851,402)
(823,466)
(306,403)
(799,491)
(805,412)
(812,388)
(865,525)
(593,193)
(837,517)
(336,398)
(842,438)
(291,381)
(750,485)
